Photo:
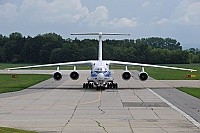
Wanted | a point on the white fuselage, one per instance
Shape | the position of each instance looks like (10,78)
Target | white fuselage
(100,74)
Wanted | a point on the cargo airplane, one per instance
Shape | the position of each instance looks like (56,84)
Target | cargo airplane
(100,76)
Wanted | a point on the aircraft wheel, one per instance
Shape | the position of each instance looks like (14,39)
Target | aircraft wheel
(97,88)
(90,85)
(108,85)
(116,85)
(84,85)
(103,88)
(111,85)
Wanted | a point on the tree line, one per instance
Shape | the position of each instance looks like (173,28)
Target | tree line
(52,48)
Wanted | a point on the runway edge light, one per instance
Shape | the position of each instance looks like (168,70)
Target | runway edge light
(190,76)
(15,76)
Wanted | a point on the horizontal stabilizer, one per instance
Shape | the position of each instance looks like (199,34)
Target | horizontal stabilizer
(100,33)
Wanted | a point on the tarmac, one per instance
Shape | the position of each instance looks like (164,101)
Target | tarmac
(136,107)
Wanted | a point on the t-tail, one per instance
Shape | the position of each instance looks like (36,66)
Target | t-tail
(100,34)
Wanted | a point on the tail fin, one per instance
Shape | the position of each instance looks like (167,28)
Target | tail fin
(100,34)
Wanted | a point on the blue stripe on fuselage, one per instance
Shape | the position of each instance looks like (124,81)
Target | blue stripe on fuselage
(94,74)
(107,74)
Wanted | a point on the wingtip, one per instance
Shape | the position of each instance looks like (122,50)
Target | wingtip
(194,71)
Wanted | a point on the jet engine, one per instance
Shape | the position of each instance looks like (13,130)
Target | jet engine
(143,76)
(74,75)
(126,75)
(57,76)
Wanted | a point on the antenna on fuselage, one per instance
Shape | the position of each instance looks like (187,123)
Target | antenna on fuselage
(100,34)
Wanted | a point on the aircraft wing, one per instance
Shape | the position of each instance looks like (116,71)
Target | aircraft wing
(147,65)
(77,63)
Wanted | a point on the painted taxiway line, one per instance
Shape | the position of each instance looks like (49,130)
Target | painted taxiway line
(197,124)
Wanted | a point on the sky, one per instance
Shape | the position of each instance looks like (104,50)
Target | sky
(177,19)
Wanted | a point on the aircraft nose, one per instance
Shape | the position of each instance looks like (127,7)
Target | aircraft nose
(100,76)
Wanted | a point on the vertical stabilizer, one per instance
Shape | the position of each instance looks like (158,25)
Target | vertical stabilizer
(100,47)
(100,34)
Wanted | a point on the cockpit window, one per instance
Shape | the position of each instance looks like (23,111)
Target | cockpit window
(100,70)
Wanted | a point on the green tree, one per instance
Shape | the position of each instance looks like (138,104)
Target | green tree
(56,56)
(179,56)
(50,41)
(142,53)
(11,49)
(53,48)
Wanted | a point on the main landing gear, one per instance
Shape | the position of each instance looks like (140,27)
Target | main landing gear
(88,85)
(109,86)
(112,86)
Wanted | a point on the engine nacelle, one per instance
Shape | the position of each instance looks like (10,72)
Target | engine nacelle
(143,76)
(126,75)
(57,76)
(74,75)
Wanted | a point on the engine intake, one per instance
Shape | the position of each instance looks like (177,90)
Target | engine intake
(143,76)
(126,75)
(57,76)
(74,75)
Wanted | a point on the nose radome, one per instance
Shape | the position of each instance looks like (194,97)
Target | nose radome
(100,76)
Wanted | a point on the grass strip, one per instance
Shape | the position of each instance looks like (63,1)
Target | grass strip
(192,91)
(10,84)
(12,130)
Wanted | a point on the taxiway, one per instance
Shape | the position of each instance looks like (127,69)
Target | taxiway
(136,107)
